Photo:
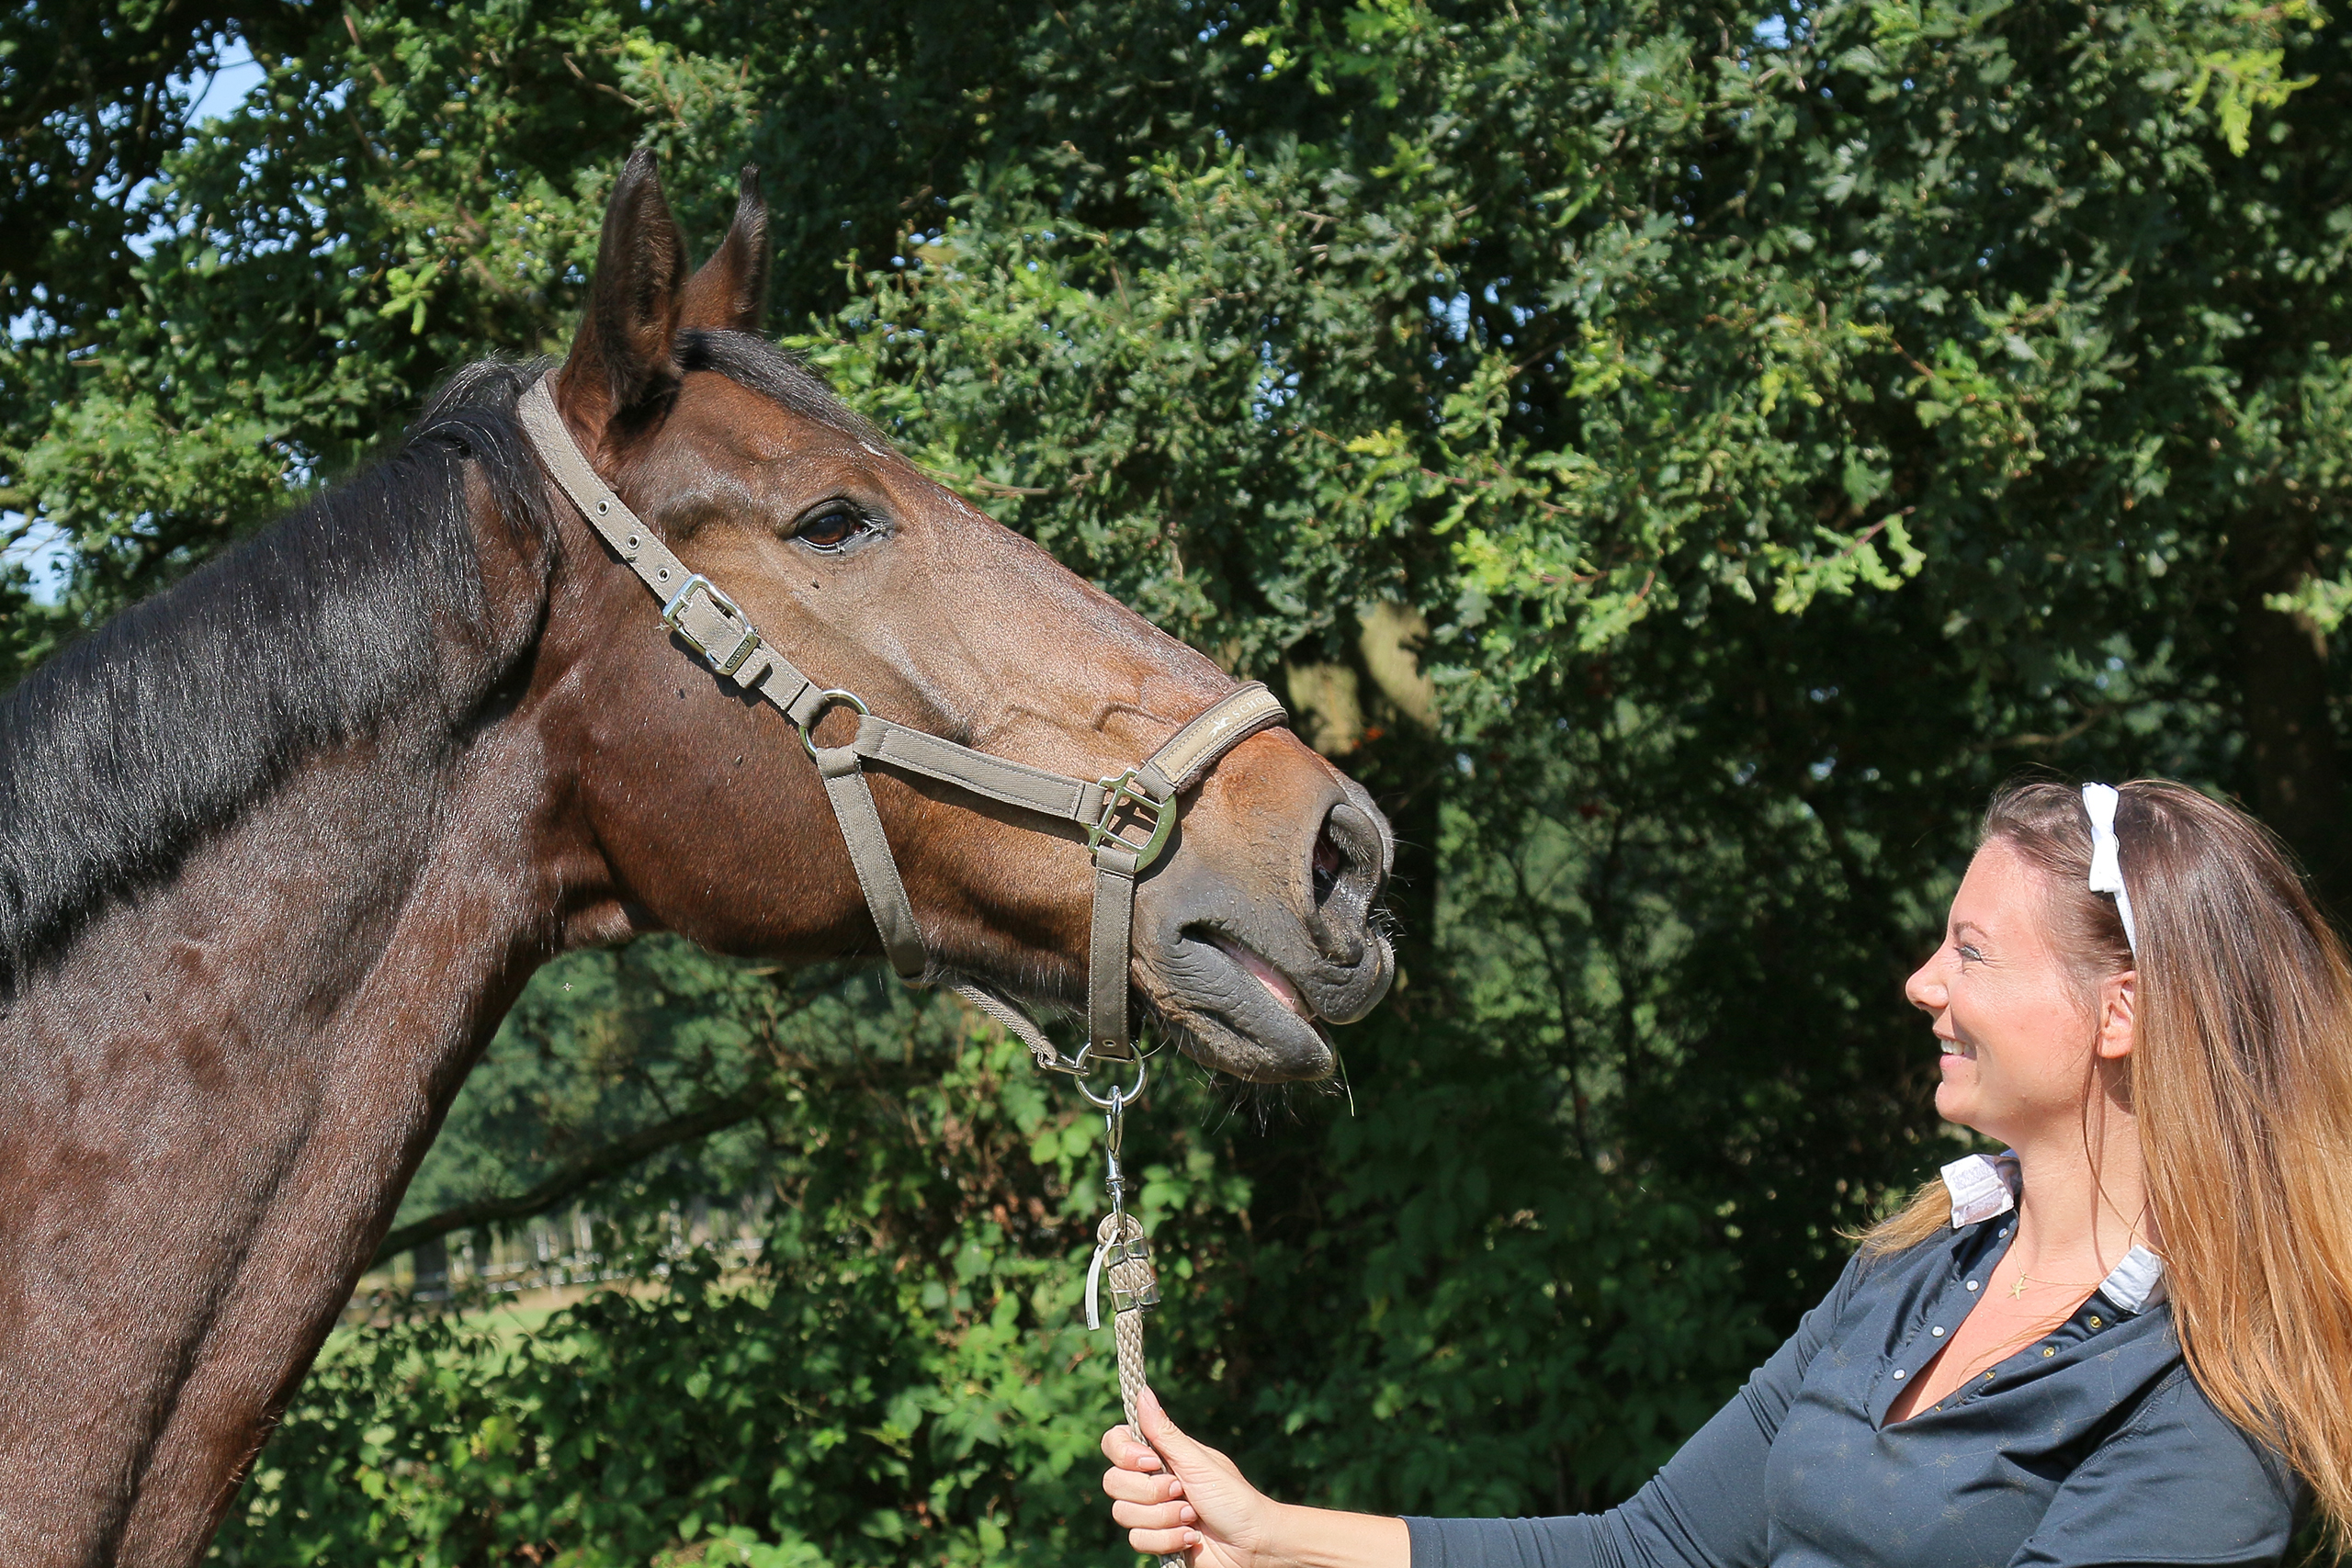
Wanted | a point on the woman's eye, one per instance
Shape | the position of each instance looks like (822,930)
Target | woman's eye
(832,530)
(1969,955)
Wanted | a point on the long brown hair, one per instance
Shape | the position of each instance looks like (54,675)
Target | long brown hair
(2240,1081)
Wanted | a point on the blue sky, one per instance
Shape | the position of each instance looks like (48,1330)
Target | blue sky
(42,549)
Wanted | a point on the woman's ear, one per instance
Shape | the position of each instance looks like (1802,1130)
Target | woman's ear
(731,291)
(2116,1016)
(621,367)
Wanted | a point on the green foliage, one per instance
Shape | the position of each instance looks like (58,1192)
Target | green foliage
(1680,455)
(908,1379)
(603,1043)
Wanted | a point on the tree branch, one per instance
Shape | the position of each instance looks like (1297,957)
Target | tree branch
(610,1160)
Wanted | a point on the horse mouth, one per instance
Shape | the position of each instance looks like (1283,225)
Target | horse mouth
(1241,1012)
(1277,984)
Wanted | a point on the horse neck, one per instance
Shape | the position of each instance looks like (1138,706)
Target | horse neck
(211,1104)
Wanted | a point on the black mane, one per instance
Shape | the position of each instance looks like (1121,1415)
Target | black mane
(124,751)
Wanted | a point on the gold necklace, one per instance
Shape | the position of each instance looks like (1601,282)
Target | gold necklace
(2024,1279)
(2000,1352)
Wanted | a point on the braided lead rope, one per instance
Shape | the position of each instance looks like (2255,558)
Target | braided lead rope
(1133,1290)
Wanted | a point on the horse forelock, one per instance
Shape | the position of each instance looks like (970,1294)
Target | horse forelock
(121,754)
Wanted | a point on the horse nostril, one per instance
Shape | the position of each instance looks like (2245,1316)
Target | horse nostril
(1352,963)
(1328,863)
(1345,870)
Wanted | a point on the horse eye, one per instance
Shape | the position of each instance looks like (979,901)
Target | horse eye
(832,530)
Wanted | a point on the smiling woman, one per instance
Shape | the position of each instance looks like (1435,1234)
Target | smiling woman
(2123,1340)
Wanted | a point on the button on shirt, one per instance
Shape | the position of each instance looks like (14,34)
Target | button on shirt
(2091,1445)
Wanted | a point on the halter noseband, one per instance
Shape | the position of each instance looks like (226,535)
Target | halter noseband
(1127,817)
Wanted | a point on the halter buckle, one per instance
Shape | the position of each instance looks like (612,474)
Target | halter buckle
(1121,792)
(730,618)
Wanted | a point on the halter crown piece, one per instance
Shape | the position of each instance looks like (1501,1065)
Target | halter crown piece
(2106,858)
(1127,817)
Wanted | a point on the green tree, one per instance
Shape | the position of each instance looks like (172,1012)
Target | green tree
(1681,456)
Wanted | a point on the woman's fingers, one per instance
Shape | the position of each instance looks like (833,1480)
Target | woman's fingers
(1127,1486)
(1123,1448)
(1153,1516)
(1198,1498)
(1153,1543)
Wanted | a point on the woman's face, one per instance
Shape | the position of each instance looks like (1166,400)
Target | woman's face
(2018,1042)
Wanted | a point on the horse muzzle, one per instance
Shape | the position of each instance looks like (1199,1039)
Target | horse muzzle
(1269,930)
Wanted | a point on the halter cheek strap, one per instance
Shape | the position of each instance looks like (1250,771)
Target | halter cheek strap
(1127,817)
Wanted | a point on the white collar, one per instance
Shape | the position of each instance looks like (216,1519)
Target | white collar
(1984,1185)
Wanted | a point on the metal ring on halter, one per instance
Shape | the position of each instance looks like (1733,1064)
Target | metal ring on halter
(1118,1096)
(828,700)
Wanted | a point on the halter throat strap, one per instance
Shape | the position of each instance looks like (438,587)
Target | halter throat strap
(1127,817)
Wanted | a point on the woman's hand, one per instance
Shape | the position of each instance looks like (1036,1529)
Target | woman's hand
(1198,1502)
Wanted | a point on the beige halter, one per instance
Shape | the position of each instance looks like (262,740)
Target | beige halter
(1127,817)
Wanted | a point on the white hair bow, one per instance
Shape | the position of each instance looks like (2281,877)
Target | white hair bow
(2107,861)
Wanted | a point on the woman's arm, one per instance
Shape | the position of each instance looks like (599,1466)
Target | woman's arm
(1199,1502)
(1705,1510)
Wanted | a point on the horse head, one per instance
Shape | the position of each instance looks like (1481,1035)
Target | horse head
(1254,927)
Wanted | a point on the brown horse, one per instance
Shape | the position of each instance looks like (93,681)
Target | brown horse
(278,847)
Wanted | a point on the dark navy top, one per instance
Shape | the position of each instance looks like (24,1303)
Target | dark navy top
(2092,1445)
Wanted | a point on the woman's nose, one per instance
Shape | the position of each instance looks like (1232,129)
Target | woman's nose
(1925,987)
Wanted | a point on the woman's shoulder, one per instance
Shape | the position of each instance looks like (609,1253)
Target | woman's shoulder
(1876,1282)
(2177,1410)
(2176,1480)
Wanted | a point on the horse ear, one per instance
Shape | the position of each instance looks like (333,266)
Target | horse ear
(731,292)
(621,363)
